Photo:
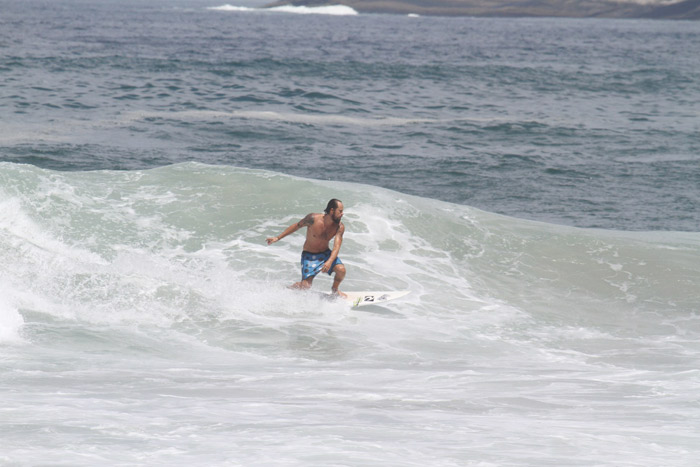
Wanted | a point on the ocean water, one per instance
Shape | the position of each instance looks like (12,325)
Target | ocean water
(532,182)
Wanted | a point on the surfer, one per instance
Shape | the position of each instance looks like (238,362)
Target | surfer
(317,255)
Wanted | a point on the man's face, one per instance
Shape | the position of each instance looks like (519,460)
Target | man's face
(337,213)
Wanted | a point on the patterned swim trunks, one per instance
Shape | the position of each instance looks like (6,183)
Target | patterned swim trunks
(311,263)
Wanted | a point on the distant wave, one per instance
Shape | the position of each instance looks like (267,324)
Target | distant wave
(328,119)
(336,10)
(231,8)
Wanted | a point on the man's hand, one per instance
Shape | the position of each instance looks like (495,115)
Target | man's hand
(326,266)
(272,240)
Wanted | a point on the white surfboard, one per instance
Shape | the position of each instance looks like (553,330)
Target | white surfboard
(373,298)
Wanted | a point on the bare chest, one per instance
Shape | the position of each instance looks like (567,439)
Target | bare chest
(319,231)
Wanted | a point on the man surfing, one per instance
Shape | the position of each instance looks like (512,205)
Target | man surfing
(317,255)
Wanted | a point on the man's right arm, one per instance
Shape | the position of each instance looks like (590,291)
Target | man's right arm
(305,222)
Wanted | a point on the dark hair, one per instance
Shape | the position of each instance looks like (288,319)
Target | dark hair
(332,204)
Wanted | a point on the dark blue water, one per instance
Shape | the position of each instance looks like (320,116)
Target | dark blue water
(591,123)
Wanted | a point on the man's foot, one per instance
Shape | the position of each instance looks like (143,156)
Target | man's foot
(303,285)
(339,293)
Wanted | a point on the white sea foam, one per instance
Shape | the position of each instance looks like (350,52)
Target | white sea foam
(334,10)
(228,7)
(10,319)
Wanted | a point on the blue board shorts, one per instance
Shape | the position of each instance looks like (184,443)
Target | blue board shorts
(311,263)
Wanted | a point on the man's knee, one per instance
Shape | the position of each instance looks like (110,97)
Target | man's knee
(339,271)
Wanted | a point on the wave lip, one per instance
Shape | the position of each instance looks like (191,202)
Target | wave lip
(334,10)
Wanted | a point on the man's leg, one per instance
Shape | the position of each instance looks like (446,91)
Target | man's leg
(339,271)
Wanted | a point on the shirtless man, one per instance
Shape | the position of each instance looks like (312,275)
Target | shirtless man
(317,256)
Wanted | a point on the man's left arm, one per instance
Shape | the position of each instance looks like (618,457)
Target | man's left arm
(337,242)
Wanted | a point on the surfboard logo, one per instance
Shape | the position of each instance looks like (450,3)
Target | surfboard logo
(369,298)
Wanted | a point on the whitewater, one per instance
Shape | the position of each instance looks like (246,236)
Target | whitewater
(145,321)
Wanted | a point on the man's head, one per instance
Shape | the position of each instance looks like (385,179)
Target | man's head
(334,208)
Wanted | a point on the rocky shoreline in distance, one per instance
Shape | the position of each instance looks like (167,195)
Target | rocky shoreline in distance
(684,9)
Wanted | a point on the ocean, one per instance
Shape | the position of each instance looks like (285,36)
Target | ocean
(533,182)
